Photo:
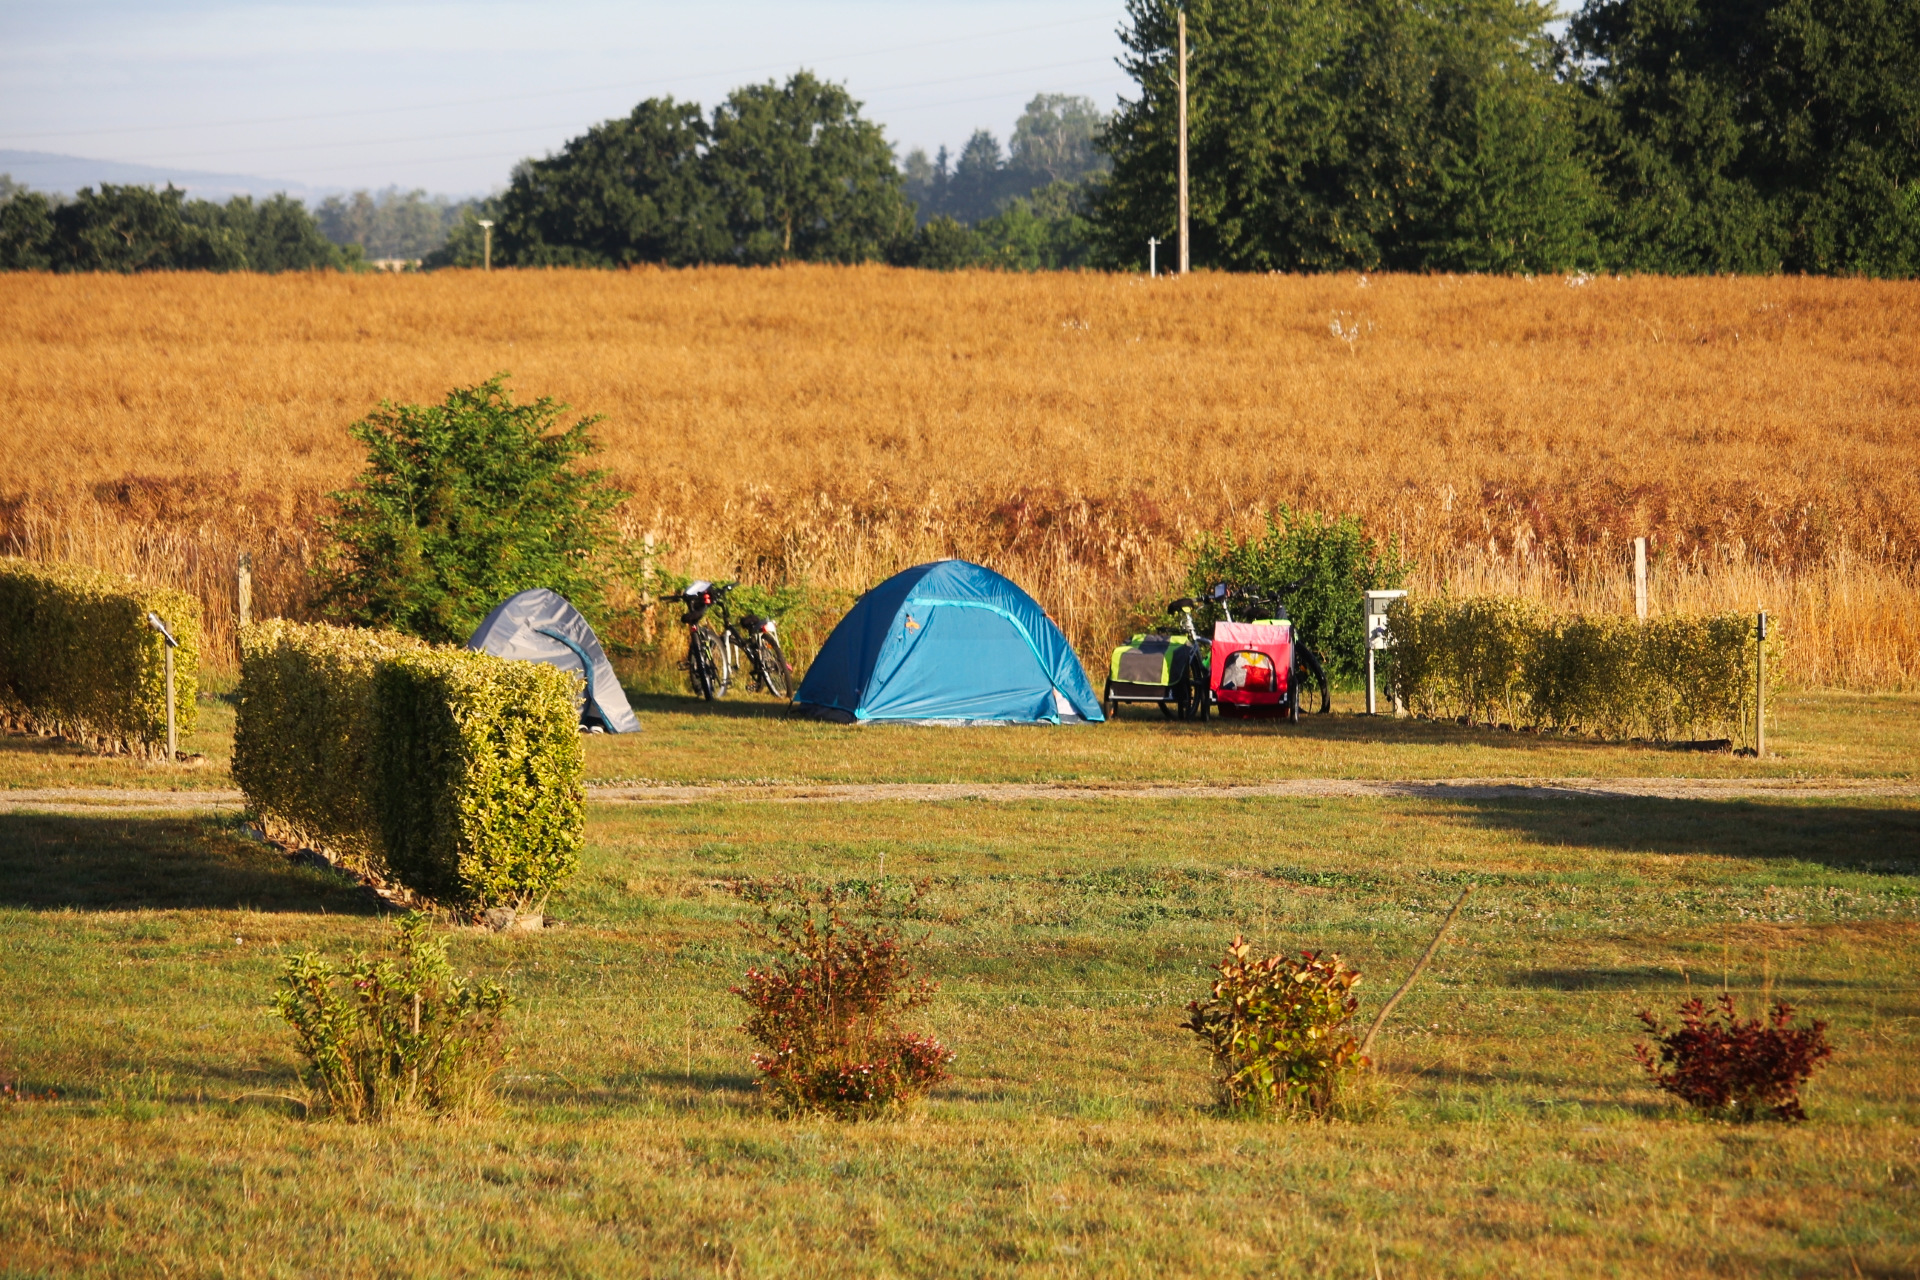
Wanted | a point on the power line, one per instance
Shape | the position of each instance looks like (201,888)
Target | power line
(763,68)
(277,149)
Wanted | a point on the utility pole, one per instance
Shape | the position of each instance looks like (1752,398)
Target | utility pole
(1153,259)
(486,229)
(1185,257)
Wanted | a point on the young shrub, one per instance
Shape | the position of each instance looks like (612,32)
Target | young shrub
(1280,1031)
(826,1013)
(1734,1068)
(387,1037)
(464,503)
(79,659)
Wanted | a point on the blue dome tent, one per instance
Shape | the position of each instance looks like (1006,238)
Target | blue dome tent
(948,642)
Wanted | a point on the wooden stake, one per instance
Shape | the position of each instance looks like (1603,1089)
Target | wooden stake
(1366,1046)
(173,737)
(243,588)
(1640,578)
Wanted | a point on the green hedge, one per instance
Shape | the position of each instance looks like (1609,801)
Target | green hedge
(1501,660)
(456,774)
(78,659)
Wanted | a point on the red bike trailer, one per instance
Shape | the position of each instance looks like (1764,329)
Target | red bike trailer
(1252,669)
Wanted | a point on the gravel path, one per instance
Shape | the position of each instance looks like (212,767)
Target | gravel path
(85,800)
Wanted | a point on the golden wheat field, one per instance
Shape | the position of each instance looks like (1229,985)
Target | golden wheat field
(830,425)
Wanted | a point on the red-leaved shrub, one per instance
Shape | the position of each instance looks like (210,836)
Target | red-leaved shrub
(1740,1069)
(825,1013)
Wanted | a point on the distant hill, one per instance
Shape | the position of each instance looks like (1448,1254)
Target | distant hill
(45,171)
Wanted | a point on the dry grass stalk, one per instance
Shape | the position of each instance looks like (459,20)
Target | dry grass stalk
(835,424)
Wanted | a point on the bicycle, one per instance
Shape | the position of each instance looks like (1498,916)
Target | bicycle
(714,656)
(1192,692)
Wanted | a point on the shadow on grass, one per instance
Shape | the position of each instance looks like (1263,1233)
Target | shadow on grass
(1669,983)
(126,863)
(750,706)
(1879,839)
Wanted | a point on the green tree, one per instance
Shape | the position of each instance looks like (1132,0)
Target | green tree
(26,230)
(461,505)
(139,229)
(941,245)
(1329,134)
(392,223)
(1755,135)
(1057,139)
(802,175)
(278,234)
(628,190)
(1333,559)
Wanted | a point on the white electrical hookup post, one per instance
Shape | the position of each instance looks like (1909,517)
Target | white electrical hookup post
(1377,636)
(173,738)
(486,230)
(1153,258)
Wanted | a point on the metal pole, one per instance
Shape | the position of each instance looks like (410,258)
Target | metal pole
(1185,258)
(1640,578)
(1760,691)
(1153,258)
(486,230)
(1372,708)
(173,737)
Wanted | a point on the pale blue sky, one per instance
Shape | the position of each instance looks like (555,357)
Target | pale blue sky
(448,95)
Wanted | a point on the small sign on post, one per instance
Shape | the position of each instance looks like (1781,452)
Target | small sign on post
(173,737)
(1378,637)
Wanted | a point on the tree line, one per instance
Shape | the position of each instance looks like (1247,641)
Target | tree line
(1675,136)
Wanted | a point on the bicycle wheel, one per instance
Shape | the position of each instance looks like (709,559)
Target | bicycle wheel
(1319,674)
(725,660)
(1293,690)
(700,671)
(770,665)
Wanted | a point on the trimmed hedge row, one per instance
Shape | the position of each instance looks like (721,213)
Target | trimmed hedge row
(1498,659)
(456,774)
(77,657)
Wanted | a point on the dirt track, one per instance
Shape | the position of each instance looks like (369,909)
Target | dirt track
(107,800)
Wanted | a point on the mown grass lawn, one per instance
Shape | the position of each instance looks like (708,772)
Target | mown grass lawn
(1509,1133)
(749,738)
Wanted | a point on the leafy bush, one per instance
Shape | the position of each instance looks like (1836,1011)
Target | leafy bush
(464,503)
(1336,557)
(1280,1031)
(458,774)
(825,1014)
(77,657)
(385,1037)
(1504,660)
(1733,1068)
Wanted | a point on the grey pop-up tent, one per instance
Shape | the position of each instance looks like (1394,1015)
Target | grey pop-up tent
(540,626)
